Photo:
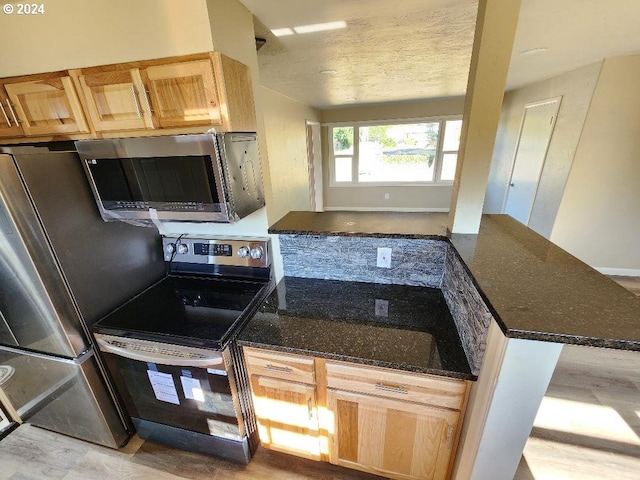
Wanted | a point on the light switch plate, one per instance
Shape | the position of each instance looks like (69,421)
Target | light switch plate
(384,257)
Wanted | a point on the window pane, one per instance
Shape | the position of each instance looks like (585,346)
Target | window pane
(343,141)
(398,153)
(448,171)
(343,169)
(452,130)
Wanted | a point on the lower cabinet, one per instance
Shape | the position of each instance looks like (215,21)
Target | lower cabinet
(283,388)
(393,423)
(390,437)
(287,417)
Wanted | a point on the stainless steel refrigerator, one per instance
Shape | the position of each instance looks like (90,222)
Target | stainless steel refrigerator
(61,269)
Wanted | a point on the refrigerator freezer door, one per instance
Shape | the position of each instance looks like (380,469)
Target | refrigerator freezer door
(63,395)
(104,263)
(36,306)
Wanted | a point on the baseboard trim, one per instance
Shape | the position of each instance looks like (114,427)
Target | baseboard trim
(387,209)
(619,272)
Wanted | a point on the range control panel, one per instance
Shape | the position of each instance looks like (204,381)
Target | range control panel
(243,252)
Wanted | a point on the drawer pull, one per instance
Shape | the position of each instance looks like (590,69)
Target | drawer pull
(275,368)
(392,388)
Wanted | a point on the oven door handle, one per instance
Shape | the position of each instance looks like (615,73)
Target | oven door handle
(159,358)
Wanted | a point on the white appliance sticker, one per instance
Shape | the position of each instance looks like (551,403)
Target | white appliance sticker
(163,387)
(192,388)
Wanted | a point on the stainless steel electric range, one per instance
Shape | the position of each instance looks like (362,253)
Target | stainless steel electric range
(172,353)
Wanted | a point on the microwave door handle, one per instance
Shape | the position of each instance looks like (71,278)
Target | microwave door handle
(161,359)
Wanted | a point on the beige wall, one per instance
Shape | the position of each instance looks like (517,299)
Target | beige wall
(77,33)
(576,88)
(599,217)
(428,197)
(285,122)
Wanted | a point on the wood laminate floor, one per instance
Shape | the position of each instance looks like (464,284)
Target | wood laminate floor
(588,427)
(31,453)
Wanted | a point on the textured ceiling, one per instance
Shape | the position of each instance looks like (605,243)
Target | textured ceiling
(388,52)
(421,49)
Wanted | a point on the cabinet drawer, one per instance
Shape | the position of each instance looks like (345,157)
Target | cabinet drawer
(286,366)
(419,388)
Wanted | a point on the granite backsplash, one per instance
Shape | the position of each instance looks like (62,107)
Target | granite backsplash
(415,262)
(469,312)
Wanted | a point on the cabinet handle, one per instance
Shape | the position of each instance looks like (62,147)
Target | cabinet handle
(135,101)
(392,388)
(275,368)
(450,438)
(310,409)
(13,114)
(4,113)
(145,98)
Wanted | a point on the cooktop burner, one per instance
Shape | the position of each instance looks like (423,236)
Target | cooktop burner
(194,309)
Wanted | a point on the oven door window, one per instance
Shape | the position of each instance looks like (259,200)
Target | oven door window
(154,181)
(191,398)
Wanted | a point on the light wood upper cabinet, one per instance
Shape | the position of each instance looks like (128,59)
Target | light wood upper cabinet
(47,105)
(184,94)
(115,100)
(168,96)
(165,96)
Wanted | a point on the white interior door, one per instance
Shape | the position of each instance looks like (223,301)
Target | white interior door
(535,134)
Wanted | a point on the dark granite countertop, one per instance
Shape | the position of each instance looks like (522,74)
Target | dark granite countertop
(538,291)
(534,289)
(361,224)
(395,326)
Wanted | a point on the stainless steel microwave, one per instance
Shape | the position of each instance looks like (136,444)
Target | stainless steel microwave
(212,177)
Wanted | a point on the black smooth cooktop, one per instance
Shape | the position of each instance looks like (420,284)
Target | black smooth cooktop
(197,311)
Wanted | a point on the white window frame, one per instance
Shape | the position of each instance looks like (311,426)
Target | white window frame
(355,156)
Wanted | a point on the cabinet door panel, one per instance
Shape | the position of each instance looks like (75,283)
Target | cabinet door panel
(47,107)
(287,416)
(184,94)
(398,439)
(116,100)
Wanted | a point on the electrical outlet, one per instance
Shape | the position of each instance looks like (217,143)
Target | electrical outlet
(382,308)
(386,196)
(384,257)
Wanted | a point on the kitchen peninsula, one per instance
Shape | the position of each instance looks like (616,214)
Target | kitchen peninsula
(515,298)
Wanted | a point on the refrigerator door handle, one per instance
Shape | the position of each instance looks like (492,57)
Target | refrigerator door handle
(161,358)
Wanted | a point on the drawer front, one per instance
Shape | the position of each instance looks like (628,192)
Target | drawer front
(285,366)
(420,388)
